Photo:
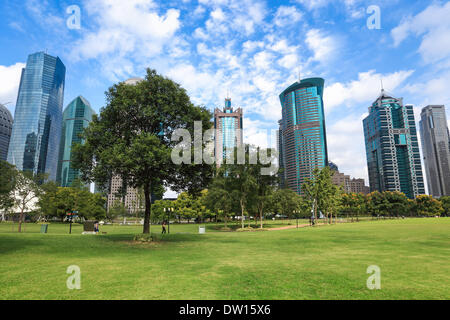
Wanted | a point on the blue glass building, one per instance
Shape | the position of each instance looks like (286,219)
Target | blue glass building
(36,132)
(6,123)
(76,117)
(303,131)
(228,131)
(392,148)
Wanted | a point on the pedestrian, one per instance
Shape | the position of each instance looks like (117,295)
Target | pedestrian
(163,227)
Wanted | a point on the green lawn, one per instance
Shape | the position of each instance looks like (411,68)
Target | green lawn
(326,262)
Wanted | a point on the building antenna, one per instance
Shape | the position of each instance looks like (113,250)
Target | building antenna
(382,87)
(299,75)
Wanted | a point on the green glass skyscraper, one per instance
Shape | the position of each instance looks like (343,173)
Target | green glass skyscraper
(392,148)
(304,141)
(76,117)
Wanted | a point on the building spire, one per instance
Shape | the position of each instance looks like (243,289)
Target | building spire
(382,87)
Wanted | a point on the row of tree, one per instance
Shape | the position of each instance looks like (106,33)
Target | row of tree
(25,193)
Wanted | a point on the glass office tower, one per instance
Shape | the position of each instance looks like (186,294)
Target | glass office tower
(76,117)
(436,149)
(392,148)
(228,131)
(303,131)
(6,123)
(36,132)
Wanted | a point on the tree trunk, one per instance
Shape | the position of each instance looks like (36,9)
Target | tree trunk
(148,208)
(261,218)
(242,214)
(20,221)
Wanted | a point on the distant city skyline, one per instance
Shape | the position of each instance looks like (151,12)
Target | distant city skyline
(251,49)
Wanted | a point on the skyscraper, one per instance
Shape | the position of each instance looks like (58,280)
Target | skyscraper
(303,131)
(228,131)
(392,148)
(436,149)
(36,132)
(76,117)
(6,123)
(280,144)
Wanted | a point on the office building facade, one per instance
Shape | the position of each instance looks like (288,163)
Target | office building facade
(303,131)
(6,123)
(228,124)
(348,184)
(436,149)
(392,149)
(36,132)
(76,117)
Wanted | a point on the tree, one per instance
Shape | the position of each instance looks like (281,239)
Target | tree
(398,203)
(286,201)
(318,189)
(48,199)
(219,200)
(27,191)
(239,180)
(8,175)
(445,201)
(378,204)
(132,139)
(265,181)
(427,206)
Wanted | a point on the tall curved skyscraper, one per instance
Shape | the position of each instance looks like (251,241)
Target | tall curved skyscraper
(35,138)
(303,131)
(6,123)
(76,117)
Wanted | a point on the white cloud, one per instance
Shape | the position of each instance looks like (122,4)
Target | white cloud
(346,147)
(434,25)
(9,82)
(323,46)
(125,30)
(365,89)
(286,16)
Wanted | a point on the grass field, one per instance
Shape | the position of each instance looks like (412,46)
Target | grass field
(327,262)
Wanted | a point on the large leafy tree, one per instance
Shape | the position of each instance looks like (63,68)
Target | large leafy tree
(286,202)
(318,189)
(446,205)
(132,135)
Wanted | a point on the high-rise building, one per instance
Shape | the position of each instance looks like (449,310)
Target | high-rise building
(76,117)
(36,132)
(303,131)
(228,131)
(392,148)
(130,198)
(281,165)
(436,149)
(6,123)
(349,184)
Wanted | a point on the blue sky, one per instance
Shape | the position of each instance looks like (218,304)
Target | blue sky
(253,49)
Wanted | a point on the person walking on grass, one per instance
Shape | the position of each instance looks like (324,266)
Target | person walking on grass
(163,227)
